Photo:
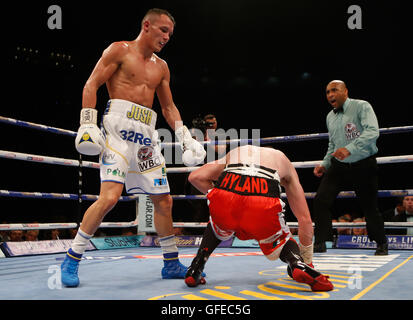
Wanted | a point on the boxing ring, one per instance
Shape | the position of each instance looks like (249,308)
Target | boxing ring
(128,267)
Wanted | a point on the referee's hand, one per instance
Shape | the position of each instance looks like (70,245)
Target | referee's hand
(341,153)
(319,171)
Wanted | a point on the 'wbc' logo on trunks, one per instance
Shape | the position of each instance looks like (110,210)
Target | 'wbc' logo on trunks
(140,114)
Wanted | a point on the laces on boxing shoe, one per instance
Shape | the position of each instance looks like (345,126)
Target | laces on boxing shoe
(69,272)
(174,270)
(303,273)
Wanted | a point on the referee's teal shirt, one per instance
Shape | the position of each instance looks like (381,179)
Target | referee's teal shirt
(356,129)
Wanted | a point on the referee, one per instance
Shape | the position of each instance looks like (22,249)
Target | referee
(350,162)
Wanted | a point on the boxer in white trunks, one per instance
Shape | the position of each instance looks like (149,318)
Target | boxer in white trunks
(127,143)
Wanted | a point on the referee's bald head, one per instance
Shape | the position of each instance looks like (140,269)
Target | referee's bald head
(339,82)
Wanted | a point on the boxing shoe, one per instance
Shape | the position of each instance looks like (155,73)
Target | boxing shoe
(174,270)
(69,271)
(290,272)
(303,273)
(194,277)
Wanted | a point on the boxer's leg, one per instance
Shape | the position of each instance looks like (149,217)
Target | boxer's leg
(110,193)
(108,197)
(164,228)
(208,244)
(172,269)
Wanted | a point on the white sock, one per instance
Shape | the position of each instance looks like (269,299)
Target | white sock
(168,245)
(81,241)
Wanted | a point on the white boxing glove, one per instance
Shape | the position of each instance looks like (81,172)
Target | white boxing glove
(194,152)
(90,139)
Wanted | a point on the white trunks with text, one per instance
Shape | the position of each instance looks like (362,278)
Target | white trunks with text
(132,154)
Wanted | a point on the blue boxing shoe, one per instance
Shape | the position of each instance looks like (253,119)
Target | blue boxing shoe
(69,269)
(173,269)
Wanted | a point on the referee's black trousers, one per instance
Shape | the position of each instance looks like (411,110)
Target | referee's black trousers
(360,176)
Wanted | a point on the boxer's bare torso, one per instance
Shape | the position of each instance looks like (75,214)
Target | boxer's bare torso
(136,77)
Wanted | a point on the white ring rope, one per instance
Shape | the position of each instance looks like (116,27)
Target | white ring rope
(70,225)
(67,225)
(95,165)
(37,226)
(305,164)
(46,159)
(388,225)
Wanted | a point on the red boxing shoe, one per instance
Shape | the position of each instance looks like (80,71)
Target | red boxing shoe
(290,272)
(319,283)
(192,282)
(194,276)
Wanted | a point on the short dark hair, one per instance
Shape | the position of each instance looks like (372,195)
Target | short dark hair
(158,12)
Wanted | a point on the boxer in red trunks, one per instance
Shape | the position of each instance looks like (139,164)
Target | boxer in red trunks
(243,191)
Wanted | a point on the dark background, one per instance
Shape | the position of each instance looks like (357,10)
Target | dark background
(254,64)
